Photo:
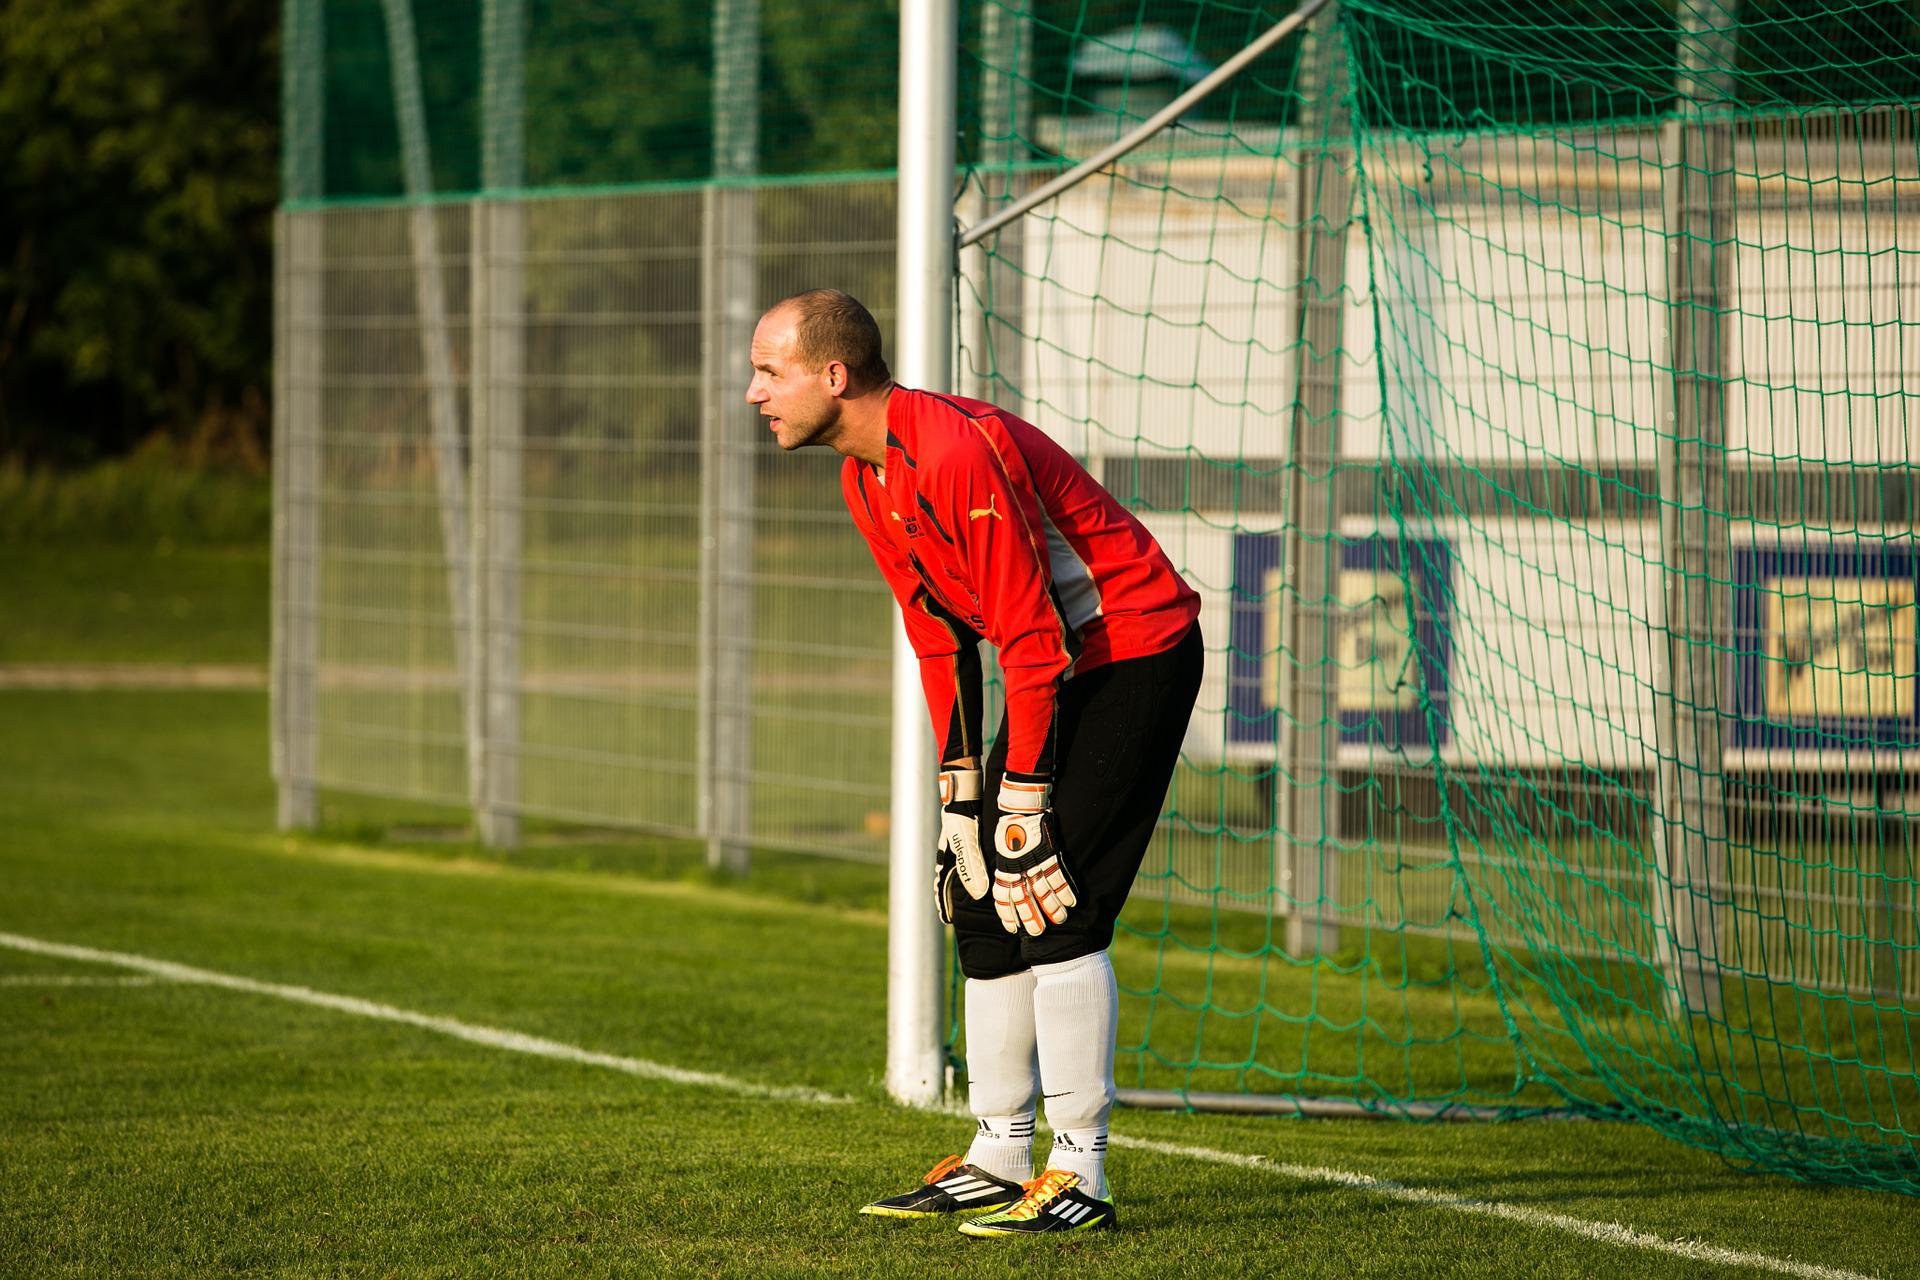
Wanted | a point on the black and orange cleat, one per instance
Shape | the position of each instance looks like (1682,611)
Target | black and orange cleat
(950,1187)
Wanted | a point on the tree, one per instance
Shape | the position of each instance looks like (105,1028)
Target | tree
(136,223)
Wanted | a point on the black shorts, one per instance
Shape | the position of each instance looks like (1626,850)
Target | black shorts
(1118,730)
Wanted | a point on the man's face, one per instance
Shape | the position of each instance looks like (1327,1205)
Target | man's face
(797,402)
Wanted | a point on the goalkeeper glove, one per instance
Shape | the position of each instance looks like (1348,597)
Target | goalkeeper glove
(1031,888)
(958,855)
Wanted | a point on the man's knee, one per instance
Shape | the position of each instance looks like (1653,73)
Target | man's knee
(986,956)
(1062,945)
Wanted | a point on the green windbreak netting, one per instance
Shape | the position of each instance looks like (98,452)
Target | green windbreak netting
(519,95)
(1529,388)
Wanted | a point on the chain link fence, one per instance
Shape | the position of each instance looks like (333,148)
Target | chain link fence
(536,556)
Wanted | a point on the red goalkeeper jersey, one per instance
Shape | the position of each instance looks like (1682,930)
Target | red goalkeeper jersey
(985,528)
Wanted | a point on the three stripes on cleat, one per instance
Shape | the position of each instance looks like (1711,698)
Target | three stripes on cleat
(968,1189)
(1075,1214)
(951,1187)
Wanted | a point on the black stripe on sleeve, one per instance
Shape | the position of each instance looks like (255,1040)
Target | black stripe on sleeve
(963,724)
(951,405)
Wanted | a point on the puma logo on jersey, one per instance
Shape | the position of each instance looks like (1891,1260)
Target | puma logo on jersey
(987,510)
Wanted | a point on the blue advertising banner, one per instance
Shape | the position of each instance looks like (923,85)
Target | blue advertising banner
(1381,668)
(1824,645)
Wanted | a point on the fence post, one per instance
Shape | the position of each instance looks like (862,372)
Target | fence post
(1691,826)
(298,337)
(729,292)
(726,531)
(499,413)
(1307,855)
(296,525)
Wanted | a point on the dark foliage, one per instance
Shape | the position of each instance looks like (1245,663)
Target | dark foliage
(136,225)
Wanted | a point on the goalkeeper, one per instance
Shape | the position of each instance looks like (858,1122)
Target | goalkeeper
(984,528)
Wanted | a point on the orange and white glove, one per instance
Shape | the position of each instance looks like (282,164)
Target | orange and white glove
(1031,888)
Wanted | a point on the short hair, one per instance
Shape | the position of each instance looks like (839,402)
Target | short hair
(831,325)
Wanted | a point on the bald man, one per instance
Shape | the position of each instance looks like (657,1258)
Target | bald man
(984,528)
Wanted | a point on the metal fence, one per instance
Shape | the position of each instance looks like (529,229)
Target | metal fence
(534,554)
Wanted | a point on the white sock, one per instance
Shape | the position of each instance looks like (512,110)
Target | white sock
(1003,1146)
(1002,1077)
(1076,1008)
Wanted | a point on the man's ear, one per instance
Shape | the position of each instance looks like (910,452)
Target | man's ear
(839,380)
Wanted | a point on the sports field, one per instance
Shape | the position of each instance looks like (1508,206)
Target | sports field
(229,1051)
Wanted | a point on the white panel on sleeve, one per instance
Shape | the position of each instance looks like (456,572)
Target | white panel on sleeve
(1079,595)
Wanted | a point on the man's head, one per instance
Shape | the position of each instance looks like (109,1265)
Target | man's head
(812,354)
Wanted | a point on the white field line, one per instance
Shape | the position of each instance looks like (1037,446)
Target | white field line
(1609,1233)
(130,675)
(76,980)
(1603,1232)
(492,1037)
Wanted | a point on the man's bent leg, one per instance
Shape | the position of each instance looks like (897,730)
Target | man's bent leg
(1002,1074)
(1077,1010)
(1120,729)
(1121,736)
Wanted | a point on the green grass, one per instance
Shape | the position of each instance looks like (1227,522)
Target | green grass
(179,1130)
(138,560)
(139,500)
(124,828)
(154,603)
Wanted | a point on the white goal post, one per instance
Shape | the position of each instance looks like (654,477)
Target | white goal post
(923,357)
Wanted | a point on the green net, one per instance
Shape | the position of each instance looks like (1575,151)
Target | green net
(541,95)
(1529,389)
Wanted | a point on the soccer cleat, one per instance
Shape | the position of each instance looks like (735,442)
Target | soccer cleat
(1053,1202)
(952,1186)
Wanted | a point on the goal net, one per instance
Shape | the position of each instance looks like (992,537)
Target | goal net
(1530,393)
